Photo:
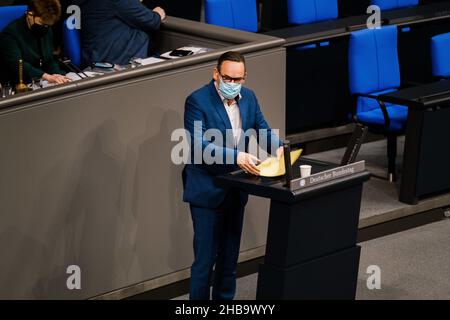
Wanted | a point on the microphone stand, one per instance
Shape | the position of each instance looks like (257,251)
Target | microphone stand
(68,63)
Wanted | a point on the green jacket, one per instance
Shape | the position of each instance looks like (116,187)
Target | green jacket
(17,42)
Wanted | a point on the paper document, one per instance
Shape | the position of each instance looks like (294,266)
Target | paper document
(78,76)
(147,61)
(273,167)
(72,76)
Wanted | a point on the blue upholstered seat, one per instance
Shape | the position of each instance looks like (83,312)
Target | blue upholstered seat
(236,14)
(72,44)
(440,55)
(374,69)
(394,4)
(10,13)
(309,11)
(370,112)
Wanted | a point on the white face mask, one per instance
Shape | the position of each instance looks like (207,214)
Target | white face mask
(229,90)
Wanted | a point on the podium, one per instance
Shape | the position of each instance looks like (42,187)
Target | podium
(311,250)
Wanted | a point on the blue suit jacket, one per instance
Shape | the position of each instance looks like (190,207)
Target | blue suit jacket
(205,105)
(115,30)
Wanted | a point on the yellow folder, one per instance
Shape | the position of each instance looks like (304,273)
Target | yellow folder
(272,167)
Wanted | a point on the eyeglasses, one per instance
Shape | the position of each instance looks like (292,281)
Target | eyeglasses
(228,79)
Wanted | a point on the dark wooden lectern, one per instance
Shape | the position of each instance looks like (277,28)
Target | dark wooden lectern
(311,250)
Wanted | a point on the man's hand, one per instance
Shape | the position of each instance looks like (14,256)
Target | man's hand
(161,12)
(280,152)
(248,162)
(55,78)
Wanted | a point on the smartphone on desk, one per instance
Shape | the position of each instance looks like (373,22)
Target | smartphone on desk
(180,53)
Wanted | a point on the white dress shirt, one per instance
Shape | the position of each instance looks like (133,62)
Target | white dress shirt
(234,114)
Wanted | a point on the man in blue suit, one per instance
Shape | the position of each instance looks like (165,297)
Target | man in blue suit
(116,30)
(217,214)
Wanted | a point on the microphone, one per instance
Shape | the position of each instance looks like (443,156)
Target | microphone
(287,162)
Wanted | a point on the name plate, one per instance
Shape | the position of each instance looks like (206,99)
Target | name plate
(328,175)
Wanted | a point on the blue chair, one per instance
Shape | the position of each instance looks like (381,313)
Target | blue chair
(72,44)
(394,4)
(440,55)
(373,70)
(236,14)
(309,11)
(10,13)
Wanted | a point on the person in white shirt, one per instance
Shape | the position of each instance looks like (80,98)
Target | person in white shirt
(217,214)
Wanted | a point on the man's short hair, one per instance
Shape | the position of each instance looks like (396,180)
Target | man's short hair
(48,10)
(230,56)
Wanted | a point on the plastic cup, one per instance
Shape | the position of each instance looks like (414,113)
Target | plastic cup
(305,170)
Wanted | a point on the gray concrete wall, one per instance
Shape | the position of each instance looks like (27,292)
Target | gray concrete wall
(87,180)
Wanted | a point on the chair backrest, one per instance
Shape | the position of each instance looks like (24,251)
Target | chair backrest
(72,44)
(10,13)
(394,4)
(440,55)
(309,11)
(236,14)
(373,60)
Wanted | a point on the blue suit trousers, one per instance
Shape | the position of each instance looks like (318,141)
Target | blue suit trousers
(217,236)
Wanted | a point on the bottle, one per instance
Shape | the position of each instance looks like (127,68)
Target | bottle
(6,90)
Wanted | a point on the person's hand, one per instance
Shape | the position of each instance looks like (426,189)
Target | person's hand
(161,12)
(280,152)
(247,162)
(55,78)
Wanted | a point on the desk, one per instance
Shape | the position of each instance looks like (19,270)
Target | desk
(317,62)
(426,159)
(274,13)
(296,35)
(311,250)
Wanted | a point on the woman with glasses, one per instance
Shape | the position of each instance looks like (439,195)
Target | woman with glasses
(30,39)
